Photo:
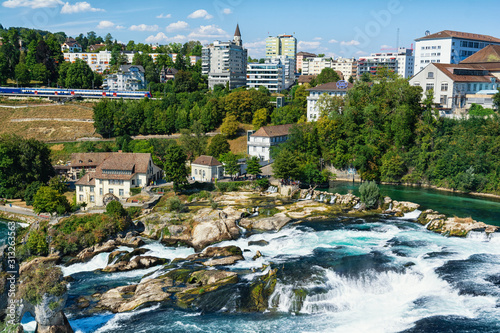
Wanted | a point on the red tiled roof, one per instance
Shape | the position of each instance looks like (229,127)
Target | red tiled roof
(330,86)
(457,34)
(206,160)
(272,131)
(88,159)
(448,70)
(305,78)
(489,54)
(88,179)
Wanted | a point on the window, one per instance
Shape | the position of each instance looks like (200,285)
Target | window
(81,197)
(444,99)
(133,181)
(100,191)
(120,191)
(429,86)
(80,188)
(195,171)
(92,189)
(138,181)
(444,86)
(430,75)
(92,199)
(111,190)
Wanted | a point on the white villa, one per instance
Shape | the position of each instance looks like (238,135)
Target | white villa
(114,176)
(259,143)
(206,169)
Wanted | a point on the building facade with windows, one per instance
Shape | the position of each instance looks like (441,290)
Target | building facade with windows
(334,89)
(116,174)
(128,77)
(225,62)
(270,74)
(347,66)
(71,45)
(259,142)
(206,169)
(285,45)
(449,47)
(401,63)
(301,56)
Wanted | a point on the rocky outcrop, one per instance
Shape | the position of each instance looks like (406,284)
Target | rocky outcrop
(139,262)
(216,256)
(273,223)
(398,208)
(452,226)
(32,264)
(260,291)
(213,226)
(49,315)
(127,298)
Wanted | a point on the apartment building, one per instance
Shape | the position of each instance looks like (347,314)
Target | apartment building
(448,47)
(337,89)
(301,56)
(225,62)
(401,62)
(285,45)
(128,77)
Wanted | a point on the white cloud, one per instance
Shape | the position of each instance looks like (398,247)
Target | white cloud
(164,16)
(333,41)
(79,7)
(162,38)
(317,38)
(105,25)
(32,3)
(352,42)
(385,46)
(144,27)
(361,53)
(308,45)
(208,31)
(227,11)
(200,13)
(119,27)
(256,49)
(179,25)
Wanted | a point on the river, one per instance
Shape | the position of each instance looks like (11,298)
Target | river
(379,274)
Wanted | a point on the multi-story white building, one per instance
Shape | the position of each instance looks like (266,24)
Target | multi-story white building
(259,143)
(301,56)
(448,47)
(115,176)
(338,89)
(225,62)
(314,66)
(281,45)
(128,77)
(454,84)
(401,62)
(347,66)
(270,74)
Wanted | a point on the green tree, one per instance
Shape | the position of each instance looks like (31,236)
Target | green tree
(230,161)
(49,200)
(260,118)
(30,192)
(58,183)
(37,244)
(285,165)
(40,73)
(194,140)
(175,166)
(22,74)
(326,75)
(369,193)
(218,146)
(115,208)
(230,126)
(253,166)
(496,100)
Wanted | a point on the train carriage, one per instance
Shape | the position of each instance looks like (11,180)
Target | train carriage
(84,93)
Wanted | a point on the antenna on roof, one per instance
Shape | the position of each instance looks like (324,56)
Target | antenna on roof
(397,40)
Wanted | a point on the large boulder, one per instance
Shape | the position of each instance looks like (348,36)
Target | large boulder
(452,226)
(213,226)
(216,256)
(139,262)
(273,223)
(49,315)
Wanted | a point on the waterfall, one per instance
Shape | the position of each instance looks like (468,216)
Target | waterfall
(333,199)
(478,235)
(308,196)
(390,206)
(357,205)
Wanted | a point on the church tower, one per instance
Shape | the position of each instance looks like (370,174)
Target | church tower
(237,36)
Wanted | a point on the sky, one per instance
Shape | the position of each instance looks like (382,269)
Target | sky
(334,28)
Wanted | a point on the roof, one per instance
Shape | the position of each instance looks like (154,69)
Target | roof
(308,54)
(237,31)
(71,42)
(88,159)
(448,70)
(330,86)
(126,68)
(272,131)
(136,162)
(206,160)
(305,78)
(87,179)
(457,34)
(489,54)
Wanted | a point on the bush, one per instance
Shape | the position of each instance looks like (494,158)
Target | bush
(174,204)
(369,194)
(135,190)
(115,208)
(262,183)
(133,212)
(42,279)
(230,186)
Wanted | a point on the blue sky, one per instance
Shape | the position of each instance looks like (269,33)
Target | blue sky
(336,28)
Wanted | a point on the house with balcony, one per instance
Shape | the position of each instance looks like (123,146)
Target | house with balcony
(71,45)
(128,77)
(259,142)
(115,176)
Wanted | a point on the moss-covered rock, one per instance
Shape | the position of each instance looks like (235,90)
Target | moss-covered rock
(260,292)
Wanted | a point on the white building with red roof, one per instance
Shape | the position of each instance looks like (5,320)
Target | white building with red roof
(259,143)
(206,169)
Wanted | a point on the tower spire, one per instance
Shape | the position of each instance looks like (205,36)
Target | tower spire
(237,36)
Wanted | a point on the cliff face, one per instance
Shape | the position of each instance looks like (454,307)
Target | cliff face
(49,315)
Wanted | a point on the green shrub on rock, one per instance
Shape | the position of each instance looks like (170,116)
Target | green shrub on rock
(369,194)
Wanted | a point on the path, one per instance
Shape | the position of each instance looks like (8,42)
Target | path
(18,120)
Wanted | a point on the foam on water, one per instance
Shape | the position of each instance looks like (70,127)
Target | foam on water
(413,215)
(114,324)
(98,262)
(161,251)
